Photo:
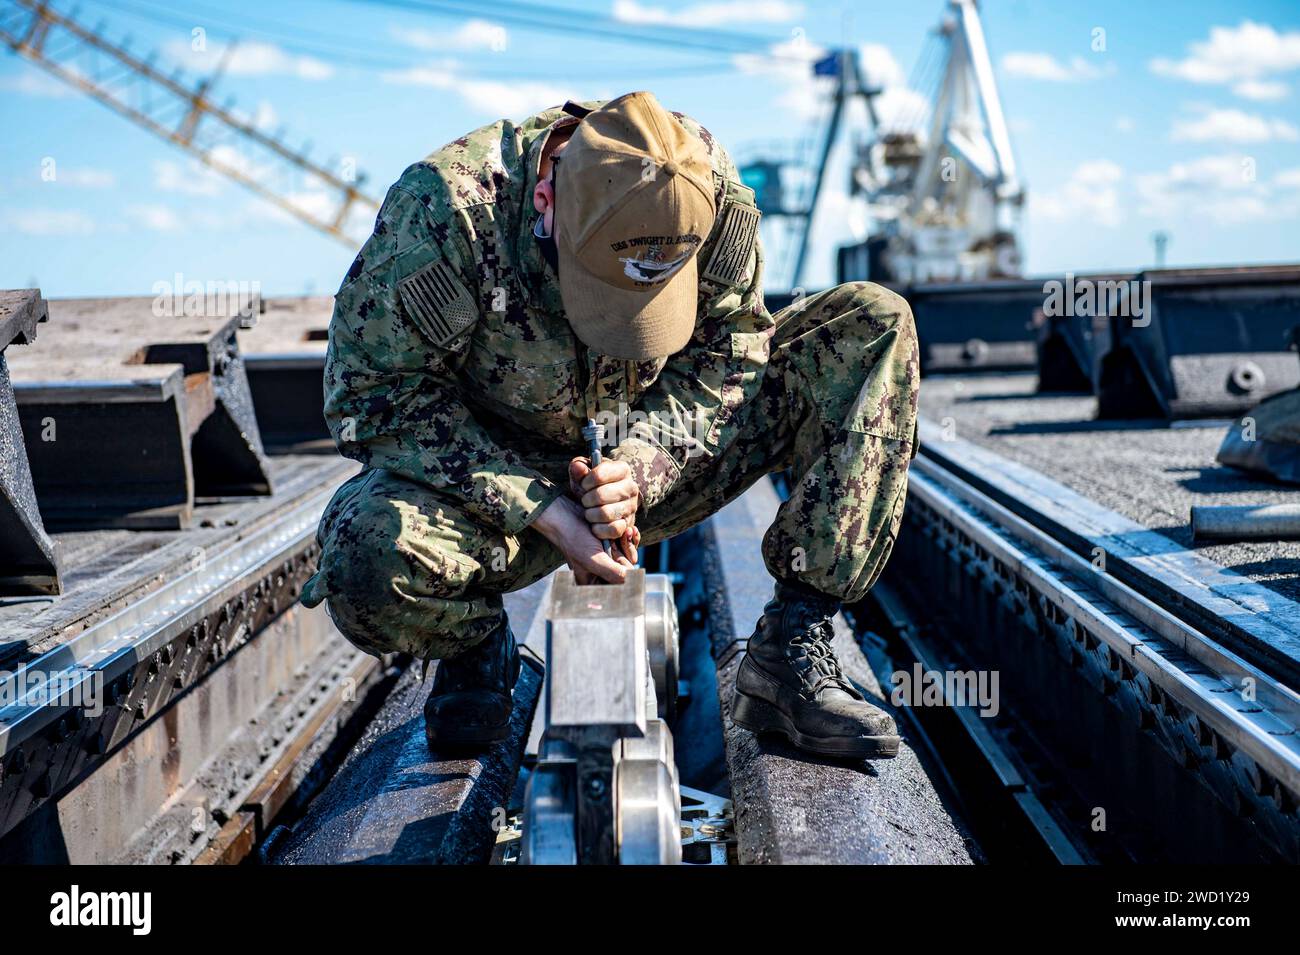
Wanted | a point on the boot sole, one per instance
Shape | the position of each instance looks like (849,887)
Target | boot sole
(760,716)
(466,741)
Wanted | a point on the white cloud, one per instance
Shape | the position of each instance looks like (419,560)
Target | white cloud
(789,64)
(1288,178)
(1232,126)
(898,106)
(1224,189)
(1244,56)
(1223,173)
(804,95)
(1044,66)
(155,217)
(471,35)
(261,59)
(488,96)
(1125,124)
(265,116)
(316,203)
(1089,197)
(879,66)
(1261,90)
(312,201)
(31,83)
(249,58)
(1098,172)
(85,178)
(192,179)
(230,157)
(729,14)
(48,222)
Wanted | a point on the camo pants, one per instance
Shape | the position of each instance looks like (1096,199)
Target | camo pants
(403,569)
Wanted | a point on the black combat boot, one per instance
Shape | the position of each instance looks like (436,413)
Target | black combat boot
(790,683)
(470,703)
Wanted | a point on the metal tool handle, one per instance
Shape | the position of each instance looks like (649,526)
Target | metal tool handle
(594,434)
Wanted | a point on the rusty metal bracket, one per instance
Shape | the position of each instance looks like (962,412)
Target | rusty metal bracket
(1068,350)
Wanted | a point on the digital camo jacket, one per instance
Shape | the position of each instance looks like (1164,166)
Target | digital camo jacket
(451,362)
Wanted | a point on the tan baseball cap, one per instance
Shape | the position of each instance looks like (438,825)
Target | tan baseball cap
(634,201)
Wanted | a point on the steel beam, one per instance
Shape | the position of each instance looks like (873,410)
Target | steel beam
(28,564)
(1207,342)
(1065,354)
(284,352)
(131,412)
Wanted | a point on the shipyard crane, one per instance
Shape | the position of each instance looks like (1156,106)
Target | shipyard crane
(944,199)
(947,204)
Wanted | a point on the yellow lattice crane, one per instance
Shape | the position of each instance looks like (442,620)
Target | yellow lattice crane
(184,116)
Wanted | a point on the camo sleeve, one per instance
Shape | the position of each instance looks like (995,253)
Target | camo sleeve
(400,328)
(689,413)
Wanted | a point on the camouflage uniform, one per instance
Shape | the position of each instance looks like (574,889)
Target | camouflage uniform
(453,377)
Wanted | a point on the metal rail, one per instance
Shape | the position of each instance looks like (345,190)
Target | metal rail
(790,808)
(86,664)
(1257,623)
(999,797)
(278,782)
(1223,718)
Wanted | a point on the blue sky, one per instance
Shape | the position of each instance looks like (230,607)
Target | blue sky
(1187,122)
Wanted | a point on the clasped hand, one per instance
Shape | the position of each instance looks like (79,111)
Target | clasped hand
(601,506)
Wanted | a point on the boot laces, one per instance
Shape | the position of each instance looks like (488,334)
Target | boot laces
(823,669)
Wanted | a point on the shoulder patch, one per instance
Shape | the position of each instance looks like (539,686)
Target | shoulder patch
(735,245)
(437,302)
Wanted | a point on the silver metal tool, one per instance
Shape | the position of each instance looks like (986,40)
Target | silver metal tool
(594,435)
(605,788)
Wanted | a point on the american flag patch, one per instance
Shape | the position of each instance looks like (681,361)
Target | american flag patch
(730,260)
(437,302)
